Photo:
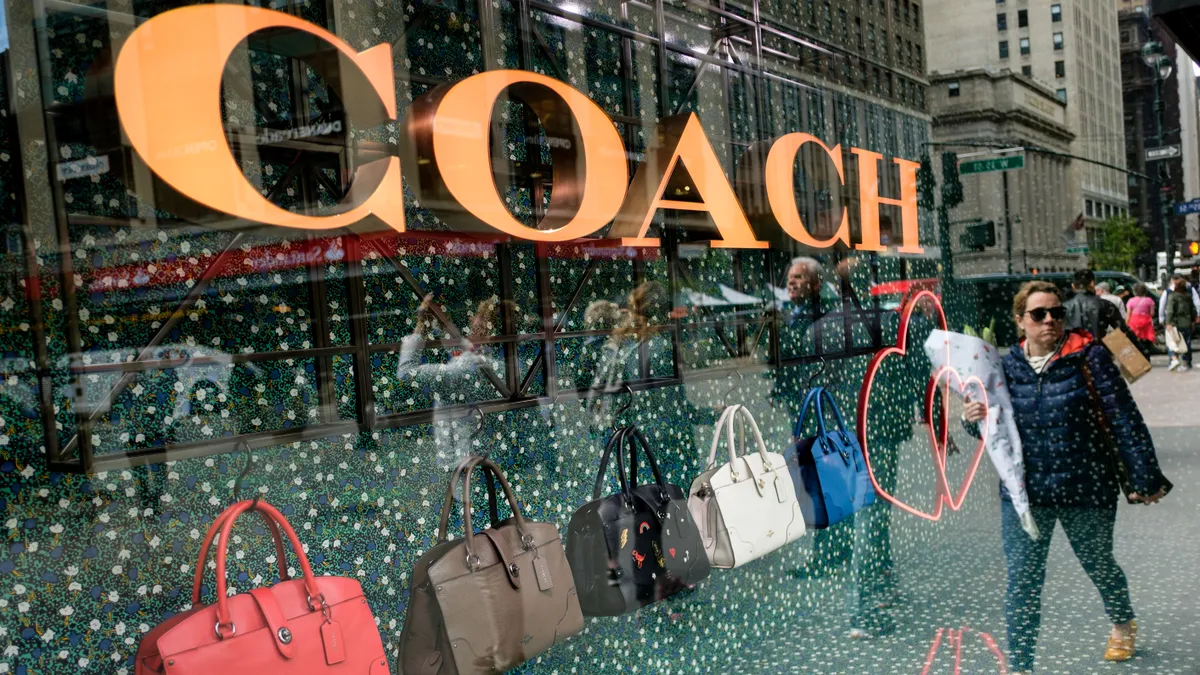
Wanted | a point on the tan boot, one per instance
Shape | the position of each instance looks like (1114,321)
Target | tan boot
(1122,649)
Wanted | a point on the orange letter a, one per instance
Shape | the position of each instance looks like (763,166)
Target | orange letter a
(681,140)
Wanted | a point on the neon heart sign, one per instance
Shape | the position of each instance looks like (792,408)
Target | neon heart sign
(945,376)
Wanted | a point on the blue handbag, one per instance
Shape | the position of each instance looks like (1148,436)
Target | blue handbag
(828,470)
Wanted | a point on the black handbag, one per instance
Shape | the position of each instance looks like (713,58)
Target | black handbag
(635,547)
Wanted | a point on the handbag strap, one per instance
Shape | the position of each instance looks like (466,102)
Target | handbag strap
(725,420)
(614,442)
(814,395)
(469,530)
(837,412)
(272,527)
(316,600)
(635,436)
(742,417)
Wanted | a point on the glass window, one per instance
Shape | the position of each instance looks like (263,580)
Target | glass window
(1058,41)
(1002,21)
(1056,12)
(1062,95)
(328,242)
(1060,69)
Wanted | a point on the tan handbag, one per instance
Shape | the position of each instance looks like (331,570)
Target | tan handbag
(491,601)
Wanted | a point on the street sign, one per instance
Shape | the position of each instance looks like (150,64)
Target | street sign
(1184,208)
(994,164)
(1078,249)
(1165,152)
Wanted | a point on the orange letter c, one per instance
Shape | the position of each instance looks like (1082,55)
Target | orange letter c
(168,89)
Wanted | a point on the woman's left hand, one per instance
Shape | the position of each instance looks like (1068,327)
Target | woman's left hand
(1148,499)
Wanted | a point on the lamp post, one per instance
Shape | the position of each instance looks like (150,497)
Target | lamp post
(1162,66)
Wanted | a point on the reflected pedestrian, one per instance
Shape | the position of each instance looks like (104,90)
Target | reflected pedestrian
(1181,316)
(1141,314)
(1074,412)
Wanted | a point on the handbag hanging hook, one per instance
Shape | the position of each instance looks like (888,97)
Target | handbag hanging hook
(625,388)
(824,363)
(237,483)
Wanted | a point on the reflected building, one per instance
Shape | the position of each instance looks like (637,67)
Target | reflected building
(1069,46)
(981,103)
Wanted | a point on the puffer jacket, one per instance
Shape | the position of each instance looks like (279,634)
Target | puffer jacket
(1068,459)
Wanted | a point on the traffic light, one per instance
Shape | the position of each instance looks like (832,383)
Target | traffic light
(1193,248)
(978,235)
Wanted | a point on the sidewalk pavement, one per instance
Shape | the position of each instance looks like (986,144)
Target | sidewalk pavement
(952,576)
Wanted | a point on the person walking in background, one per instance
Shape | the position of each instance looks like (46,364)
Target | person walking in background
(1085,310)
(1181,317)
(1141,315)
(1169,290)
(1074,412)
(1104,290)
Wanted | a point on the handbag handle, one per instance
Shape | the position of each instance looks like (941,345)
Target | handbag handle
(316,600)
(813,395)
(632,437)
(469,530)
(826,396)
(614,442)
(742,415)
(214,529)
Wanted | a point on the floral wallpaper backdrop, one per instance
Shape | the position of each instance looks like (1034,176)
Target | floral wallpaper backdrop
(89,563)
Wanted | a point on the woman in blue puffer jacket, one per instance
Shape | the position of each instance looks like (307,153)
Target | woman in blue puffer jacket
(1074,413)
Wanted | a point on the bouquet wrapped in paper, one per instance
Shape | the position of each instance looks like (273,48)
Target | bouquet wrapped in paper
(972,356)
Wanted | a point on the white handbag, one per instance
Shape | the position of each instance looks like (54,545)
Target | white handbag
(747,507)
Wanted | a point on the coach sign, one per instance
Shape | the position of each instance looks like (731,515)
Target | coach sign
(168,92)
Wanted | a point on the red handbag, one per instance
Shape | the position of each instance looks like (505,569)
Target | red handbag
(307,626)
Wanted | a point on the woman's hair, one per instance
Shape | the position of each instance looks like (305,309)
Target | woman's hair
(1028,289)
(1139,289)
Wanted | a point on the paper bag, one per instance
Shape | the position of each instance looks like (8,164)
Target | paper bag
(1129,358)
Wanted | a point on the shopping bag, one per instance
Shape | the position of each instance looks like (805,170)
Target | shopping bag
(1129,358)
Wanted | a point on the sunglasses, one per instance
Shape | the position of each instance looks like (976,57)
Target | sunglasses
(1039,315)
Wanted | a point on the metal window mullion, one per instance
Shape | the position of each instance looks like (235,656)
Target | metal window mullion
(364,394)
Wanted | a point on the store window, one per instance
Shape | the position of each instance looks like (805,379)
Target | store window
(332,261)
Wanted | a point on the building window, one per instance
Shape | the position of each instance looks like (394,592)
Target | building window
(953,90)
(1022,18)
(1002,21)
(1058,41)
(1060,69)
(1056,13)
(1027,71)
(1107,211)
(920,59)
(871,37)
(844,23)
(1024,46)
(1004,49)
(858,34)
(1090,209)
(1062,95)
(917,16)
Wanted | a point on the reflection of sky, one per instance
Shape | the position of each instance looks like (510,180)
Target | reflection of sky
(3,29)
